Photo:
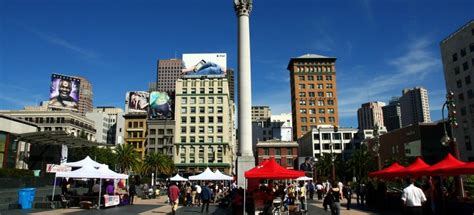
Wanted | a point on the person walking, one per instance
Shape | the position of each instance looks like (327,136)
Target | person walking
(206,195)
(332,199)
(173,194)
(311,189)
(132,191)
(348,194)
(413,198)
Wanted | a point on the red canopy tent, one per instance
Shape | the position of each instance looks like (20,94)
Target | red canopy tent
(465,169)
(412,170)
(270,169)
(385,172)
(441,167)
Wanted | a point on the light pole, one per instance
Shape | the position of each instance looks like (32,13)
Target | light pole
(333,158)
(376,146)
(451,142)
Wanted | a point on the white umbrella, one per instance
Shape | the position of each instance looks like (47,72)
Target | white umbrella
(304,178)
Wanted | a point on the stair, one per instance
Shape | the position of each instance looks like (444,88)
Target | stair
(9,198)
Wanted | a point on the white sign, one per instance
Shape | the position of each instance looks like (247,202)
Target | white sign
(57,168)
(111,200)
(192,60)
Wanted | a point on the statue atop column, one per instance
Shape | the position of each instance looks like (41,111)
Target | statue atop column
(243,7)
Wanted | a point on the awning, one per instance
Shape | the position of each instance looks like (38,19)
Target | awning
(412,170)
(387,171)
(57,138)
(272,170)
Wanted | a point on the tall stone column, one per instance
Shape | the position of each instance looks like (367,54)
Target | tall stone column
(246,159)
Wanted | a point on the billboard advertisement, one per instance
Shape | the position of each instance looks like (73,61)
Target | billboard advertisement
(137,101)
(64,92)
(211,64)
(161,105)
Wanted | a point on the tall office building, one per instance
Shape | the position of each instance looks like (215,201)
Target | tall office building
(105,121)
(313,92)
(86,104)
(370,114)
(457,52)
(392,114)
(204,125)
(168,72)
(261,113)
(414,106)
(230,78)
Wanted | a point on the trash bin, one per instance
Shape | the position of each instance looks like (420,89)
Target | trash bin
(26,197)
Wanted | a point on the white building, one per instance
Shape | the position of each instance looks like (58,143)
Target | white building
(370,114)
(414,106)
(204,127)
(324,139)
(277,128)
(105,121)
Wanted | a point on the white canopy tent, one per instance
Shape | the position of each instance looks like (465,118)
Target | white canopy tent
(177,177)
(89,171)
(204,176)
(84,162)
(304,178)
(223,176)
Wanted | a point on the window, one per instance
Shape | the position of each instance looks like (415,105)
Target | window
(169,131)
(329,94)
(311,103)
(320,94)
(463,52)
(311,86)
(219,129)
(332,119)
(289,151)
(465,66)
(471,47)
(330,102)
(322,120)
(192,139)
(266,151)
(304,128)
(192,100)
(336,136)
(185,91)
(317,146)
(193,129)
(326,136)
(210,139)
(219,139)
(201,139)
(303,111)
(277,151)
(312,111)
(319,77)
(328,86)
(184,100)
(289,162)
(467,79)
(302,94)
(467,140)
(202,100)
(184,110)
(456,70)
(455,57)
(331,110)
(152,131)
(328,77)
(193,110)
(470,94)
(210,129)
(312,119)
(310,77)
(211,90)
(219,100)
(202,90)
(301,77)
(321,110)
(210,119)
(311,94)
(320,86)
(219,119)
(201,119)
(219,90)
(161,131)
(183,139)
(320,103)
(220,109)
(210,110)
(347,136)
(459,83)
(301,86)
(193,90)
(316,136)
(303,119)
(192,119)
(183,129)
(210,101)
(463,111)
(183,119)
(302,102)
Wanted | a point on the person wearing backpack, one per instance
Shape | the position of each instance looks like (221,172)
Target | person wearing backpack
(206,195)
(334,198)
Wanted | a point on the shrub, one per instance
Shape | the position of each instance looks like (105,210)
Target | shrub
(15,172)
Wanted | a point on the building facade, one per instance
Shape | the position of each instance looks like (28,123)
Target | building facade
(261,113)
(167,72)
(370,114)
(86,104)
(71,122)
(392,114)
(313,93)
(105,123)
(231,80)
(414,106)
(135,131)
(324,139)
(277,127)
(285,153)
(457,53)
(160,136)
(204,125)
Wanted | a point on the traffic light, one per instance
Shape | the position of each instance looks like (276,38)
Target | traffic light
(451,109)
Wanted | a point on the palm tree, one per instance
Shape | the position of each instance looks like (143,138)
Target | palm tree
(159,163)
(126,156)
(324,165)
(362,162)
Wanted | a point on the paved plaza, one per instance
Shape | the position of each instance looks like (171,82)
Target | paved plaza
(158,206)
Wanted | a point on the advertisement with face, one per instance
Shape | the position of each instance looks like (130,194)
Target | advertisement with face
(137,101)
(64,92)
(161,105)
(212,64)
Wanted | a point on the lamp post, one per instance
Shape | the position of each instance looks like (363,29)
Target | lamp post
(333,158)
(451,142)
(376,146)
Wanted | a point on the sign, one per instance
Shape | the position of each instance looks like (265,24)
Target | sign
(64,92)
(207,64)
(111,200)
(52,168)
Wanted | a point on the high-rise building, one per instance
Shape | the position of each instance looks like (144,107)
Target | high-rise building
(105,121)
(313,92)
(261,113)
(457,53)
(86,104)
(414,106)
(168,72)
(370,114)
(204,125)
(230,78)
(392,114)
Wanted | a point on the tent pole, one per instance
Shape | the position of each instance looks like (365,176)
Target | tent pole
(54,187)
(100,193)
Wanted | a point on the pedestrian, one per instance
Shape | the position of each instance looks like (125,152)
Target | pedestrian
(348,195)
(332,199)
(319,190)
(132,191)
(413,198)
(302,196)
(311,189)
(206,195)
(173,195)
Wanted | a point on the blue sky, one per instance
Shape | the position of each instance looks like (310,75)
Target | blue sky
(381,46)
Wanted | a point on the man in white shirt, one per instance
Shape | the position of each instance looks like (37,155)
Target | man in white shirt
(197,200)
(413,197)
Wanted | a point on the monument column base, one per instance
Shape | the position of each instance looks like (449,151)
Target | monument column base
(244,163)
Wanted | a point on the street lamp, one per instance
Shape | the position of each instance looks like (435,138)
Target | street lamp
(333,158)
(376,146)
(451,142)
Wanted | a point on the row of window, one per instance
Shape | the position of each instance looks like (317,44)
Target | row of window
(201,139)
(202,91)
(313,111)
(463,52)
(210,159)
(311,86)
(337,146)
(135,134)
(313,94)
(161,131)
(135,124)
(201,129)
(467,80)
(318,77)
(313,120)
(277,151)
(313,102)
(313,68)
(201,100)
(192,110)
(469,93)
(335,136)
(202,119)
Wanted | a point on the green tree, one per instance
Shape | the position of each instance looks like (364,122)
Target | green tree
(362,162)
(159,163)
(324,166)
(126,158)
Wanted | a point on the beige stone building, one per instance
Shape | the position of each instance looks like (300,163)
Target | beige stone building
(136,131)
(204,128)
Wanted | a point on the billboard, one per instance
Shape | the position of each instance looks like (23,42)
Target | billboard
(136,101)
(64,92)
(197,65)
(161,105)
